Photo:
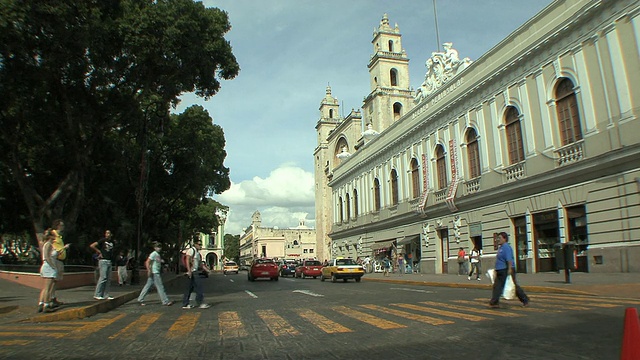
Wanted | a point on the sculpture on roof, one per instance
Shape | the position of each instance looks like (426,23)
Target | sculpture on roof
(441,66)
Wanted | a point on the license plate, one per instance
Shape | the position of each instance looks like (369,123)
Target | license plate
(315,269)
(265,273)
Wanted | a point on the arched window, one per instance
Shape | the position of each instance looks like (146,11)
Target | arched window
(515,147)
(441,166)
(415,179)
(340,212)
(376,195)
(397,111)
(473,153)
(394,187)
(568,117)
(348,207)
(355,203)
(340,144)
(390,45)
(394,77)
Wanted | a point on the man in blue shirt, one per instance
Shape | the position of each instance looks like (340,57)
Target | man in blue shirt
(505,266)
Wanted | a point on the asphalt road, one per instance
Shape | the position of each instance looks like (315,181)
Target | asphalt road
(310,319)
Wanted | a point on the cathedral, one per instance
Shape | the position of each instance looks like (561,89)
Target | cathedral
(538,138)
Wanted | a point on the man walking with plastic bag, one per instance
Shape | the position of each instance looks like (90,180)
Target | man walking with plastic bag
(505,267)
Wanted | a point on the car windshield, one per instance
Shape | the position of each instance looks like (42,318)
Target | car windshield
(264,261)
(312,263)
(230,264)
(345,262)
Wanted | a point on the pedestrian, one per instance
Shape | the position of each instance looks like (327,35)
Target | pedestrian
(153,264)
(387,265)
(48,271)
(505,266)
(121,267)
(474,259)
(61,248)
(194,262)
(401,267)
(104,249)
(462,261)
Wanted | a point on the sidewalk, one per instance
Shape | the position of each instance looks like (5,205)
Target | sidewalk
(18,302)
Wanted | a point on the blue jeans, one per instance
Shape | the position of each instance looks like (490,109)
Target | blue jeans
(104,283)
(194,284)
(154,279)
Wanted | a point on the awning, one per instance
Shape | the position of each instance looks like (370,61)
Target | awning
(408,239)
(381,245)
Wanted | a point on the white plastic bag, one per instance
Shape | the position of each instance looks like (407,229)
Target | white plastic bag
(491,274)
(509,291)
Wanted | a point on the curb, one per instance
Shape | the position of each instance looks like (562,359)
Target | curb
(532,288)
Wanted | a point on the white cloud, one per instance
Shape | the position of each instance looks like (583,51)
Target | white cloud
(283,198)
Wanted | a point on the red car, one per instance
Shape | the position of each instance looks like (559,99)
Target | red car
(263,268)
(309,268)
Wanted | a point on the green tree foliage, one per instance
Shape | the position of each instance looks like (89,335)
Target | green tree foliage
(85,90)
(232,247)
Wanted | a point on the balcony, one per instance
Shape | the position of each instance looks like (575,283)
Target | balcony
(441,195)
(570,154)
(472,186)
(515,172)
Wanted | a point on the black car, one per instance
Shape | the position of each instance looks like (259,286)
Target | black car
(288,267)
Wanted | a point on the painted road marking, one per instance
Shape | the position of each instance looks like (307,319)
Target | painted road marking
(84,331)
(326,325)
(472,309)
(307,292)
(15,342)
(458,315)
(276,324)
(251,294)
(414,290)
(32,334)
(230,325)
(137,327)
(578,303)
(411,316)
(369,319)
(590,299)
(183,326)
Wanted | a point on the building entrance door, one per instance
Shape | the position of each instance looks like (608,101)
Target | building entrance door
(522,249)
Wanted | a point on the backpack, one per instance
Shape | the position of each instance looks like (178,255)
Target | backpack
(183,258)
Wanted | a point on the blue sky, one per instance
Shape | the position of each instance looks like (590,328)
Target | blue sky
(289,51)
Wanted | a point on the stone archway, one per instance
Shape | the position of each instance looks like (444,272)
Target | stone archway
(212,260)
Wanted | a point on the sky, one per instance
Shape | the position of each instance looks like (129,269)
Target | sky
(289,51)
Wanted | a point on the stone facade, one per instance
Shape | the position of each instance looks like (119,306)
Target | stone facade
(538,138)
(292,243)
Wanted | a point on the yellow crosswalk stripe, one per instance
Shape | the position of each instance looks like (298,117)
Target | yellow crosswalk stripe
(38,328)
(276,324)
(84,331)
(137,327)
(44,334)
(577,303)
(546,307)
(494,312)
(366,318)
(458,315)
(590,299)
(183,326)
(15,342)
(230,325)
(411,316)
(322,322)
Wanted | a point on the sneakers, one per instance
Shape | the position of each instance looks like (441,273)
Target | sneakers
(98,297)
(468,277)
(494,306)
(109,298)
(142,304)
(168,304)
(204,306)
(478,279)
(188,306)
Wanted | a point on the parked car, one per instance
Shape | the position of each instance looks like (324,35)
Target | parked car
(309,268)
(342,269)
(288,267)
(263,268)
(230,267)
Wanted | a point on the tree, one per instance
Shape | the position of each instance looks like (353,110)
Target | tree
(232,247)
(82,81)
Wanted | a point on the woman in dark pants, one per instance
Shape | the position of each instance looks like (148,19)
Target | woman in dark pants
(505,266)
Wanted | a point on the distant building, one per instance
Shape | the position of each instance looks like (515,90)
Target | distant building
(213,244)
(538,138)
(293,243)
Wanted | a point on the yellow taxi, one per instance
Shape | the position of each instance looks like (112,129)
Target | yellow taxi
(230,267)
(344,269)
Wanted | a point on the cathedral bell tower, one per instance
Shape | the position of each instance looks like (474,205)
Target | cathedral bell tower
(391,95)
